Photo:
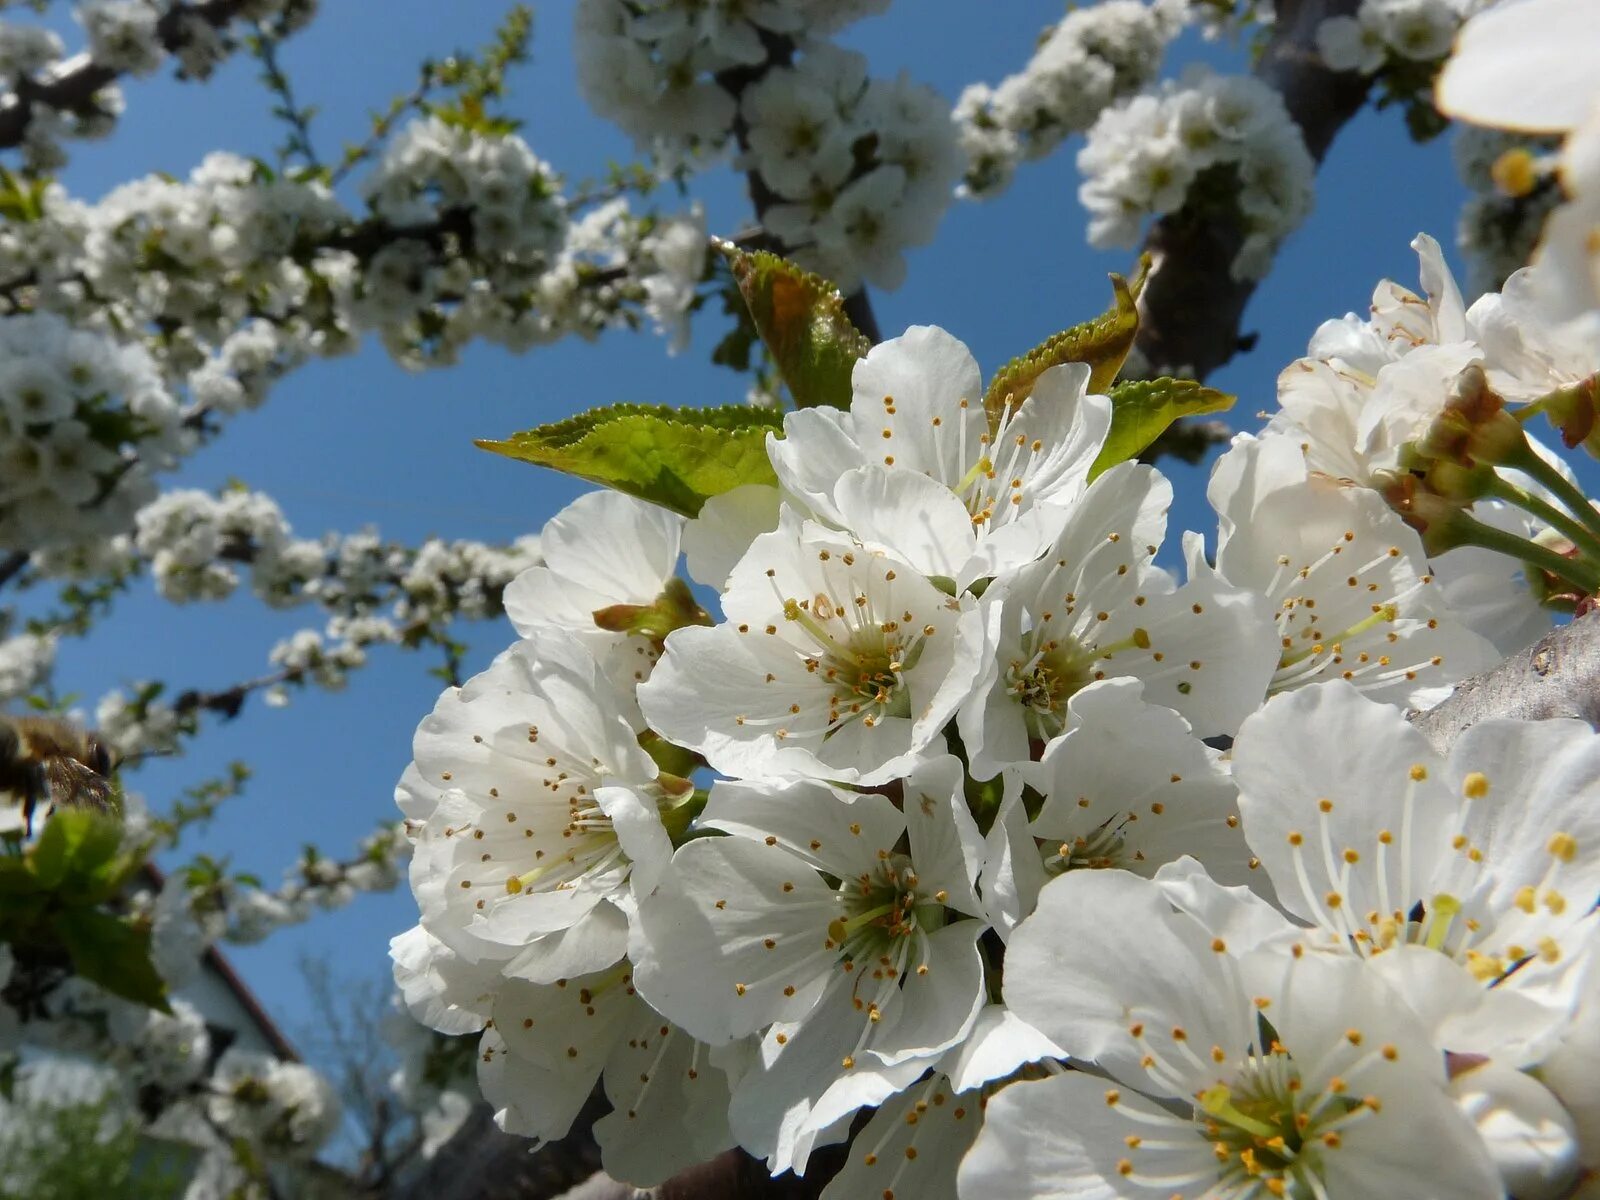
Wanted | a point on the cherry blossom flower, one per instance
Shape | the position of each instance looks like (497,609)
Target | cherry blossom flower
(1230,1070)
(835,660)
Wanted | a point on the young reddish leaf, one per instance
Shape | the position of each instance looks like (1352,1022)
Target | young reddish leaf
(801,318)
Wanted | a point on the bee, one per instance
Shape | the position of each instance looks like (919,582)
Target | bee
(47,760)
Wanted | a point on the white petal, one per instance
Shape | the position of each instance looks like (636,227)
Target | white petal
(833,830)
(1000,1042)
(912,1146)
(1519,66)
(719,535)
(1106,944)
(1065,1138)
(946,847)
(922,375)
(1529,1135)
(593,943)
(669,1105)
(1326,745)
(701,947)
(918,518)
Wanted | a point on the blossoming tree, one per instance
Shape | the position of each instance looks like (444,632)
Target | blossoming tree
(874,801)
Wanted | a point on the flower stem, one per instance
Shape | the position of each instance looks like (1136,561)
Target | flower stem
(1582,536)
(1469,531)
(1569,493)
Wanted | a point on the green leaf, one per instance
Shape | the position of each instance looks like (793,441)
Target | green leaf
(1103,343)
(1141,410)
(113,952)
(675,457)
(801,318)
(76,846)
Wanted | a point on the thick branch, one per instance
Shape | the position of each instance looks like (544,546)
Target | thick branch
(72,86)
(1557,676)
(481,1163)
(1192,306)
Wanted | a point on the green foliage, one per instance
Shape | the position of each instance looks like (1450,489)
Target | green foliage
(1103,343)
(199,802)
(1142,409)
(21,200)
(56,899)
(113,952)
(479,79)
(82,1152)
(677,458)
(801,319)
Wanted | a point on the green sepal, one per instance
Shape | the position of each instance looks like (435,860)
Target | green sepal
(674,608)
(675,457)
(1102,343)
(801,318)
(1142,409)
(113,952)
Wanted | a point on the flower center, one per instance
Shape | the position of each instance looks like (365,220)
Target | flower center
(1054,667)
(863,665)
(880,936)
(1105,847)
(1268,1134)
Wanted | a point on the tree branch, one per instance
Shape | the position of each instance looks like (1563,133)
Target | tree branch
(12,563)
(1192,307)
(72,86)
(1557,676)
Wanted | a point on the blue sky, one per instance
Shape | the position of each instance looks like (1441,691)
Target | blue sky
(359,442)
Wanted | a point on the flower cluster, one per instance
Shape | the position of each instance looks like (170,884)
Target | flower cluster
(138,321)
(123,37)
(860,168)
(1382,31)
(133,1071)
(962,829)
(1094,57)
(25,662)
(284,1106)
(848,171)
(658,68)
(73,405)
(1212,143)
(1411,402)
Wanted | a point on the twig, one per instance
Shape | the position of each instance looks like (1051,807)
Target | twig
(13,563)
(355,155)
(265,45)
